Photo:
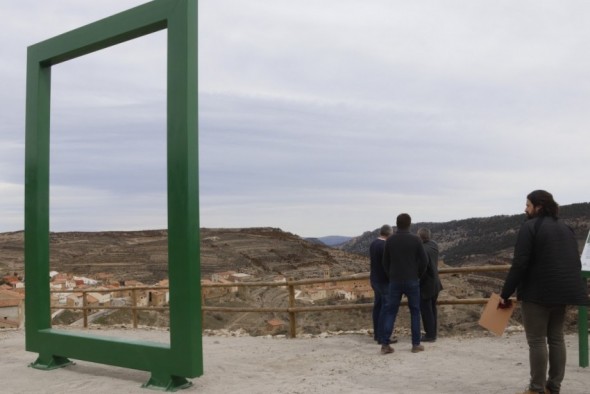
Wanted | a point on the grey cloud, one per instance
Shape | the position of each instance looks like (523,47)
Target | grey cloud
(317,117)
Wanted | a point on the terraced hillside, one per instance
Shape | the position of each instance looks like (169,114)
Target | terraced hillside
(479,241)
(265,252)
(142,255)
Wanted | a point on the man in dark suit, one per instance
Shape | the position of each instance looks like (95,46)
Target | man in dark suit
(378,278)
(430,286)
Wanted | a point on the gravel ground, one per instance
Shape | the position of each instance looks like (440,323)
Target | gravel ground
(329,363)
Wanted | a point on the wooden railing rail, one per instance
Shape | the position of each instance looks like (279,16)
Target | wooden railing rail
(292,309)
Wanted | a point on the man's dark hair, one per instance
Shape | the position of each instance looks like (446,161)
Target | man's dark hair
(545,200)
(403,221)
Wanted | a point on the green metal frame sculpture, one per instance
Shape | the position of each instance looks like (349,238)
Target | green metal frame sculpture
(170,364)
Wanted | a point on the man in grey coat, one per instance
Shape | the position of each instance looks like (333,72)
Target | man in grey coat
(430,286)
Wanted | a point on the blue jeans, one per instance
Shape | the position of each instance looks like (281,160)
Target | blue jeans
(411,289)
(380,290)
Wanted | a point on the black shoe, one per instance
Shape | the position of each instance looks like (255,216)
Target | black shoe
(393,339)
(427,339)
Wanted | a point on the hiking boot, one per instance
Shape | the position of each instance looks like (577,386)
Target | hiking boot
(417,348)
(386,349)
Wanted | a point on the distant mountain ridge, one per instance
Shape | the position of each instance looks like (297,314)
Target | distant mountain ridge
(142,255)
(330,240)
(480,240)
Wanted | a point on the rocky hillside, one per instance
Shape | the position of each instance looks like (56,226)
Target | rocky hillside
(142,255)
(262,252)
(479,241)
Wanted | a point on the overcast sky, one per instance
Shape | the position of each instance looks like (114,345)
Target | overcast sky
(317,117)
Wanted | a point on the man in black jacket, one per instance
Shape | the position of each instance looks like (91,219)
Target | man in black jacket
(546,273)
(404,261)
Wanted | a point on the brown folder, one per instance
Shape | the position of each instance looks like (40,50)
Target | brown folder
(493,318)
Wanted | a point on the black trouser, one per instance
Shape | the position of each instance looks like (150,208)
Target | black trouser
(429,316)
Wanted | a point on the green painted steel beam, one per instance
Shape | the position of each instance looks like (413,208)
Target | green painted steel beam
(141,355)
(125,26)
(583,336)
(583,330)
(171,364)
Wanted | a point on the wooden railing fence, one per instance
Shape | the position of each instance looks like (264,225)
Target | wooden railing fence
(291,285)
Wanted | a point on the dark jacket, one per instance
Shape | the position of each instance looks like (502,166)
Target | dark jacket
(378,275)
(430,284)
(546,268)
(404,257)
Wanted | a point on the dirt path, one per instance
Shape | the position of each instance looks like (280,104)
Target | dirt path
(343,364)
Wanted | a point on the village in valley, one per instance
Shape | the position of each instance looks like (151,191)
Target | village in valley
(103,289)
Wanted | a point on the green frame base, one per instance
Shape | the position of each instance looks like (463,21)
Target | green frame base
(49,362)
(167,383)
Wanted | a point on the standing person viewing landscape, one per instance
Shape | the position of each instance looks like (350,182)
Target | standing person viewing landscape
(546,275)
(378,278)
(404,261)
(430,286)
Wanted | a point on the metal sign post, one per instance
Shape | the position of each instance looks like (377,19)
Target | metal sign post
(583,310)
(583,329)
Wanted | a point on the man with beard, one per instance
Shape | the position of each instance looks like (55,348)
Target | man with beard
(546,274)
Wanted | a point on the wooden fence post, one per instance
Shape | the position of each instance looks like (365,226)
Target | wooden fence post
(292,316)
(134,303)
(85,311)
(202,312)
